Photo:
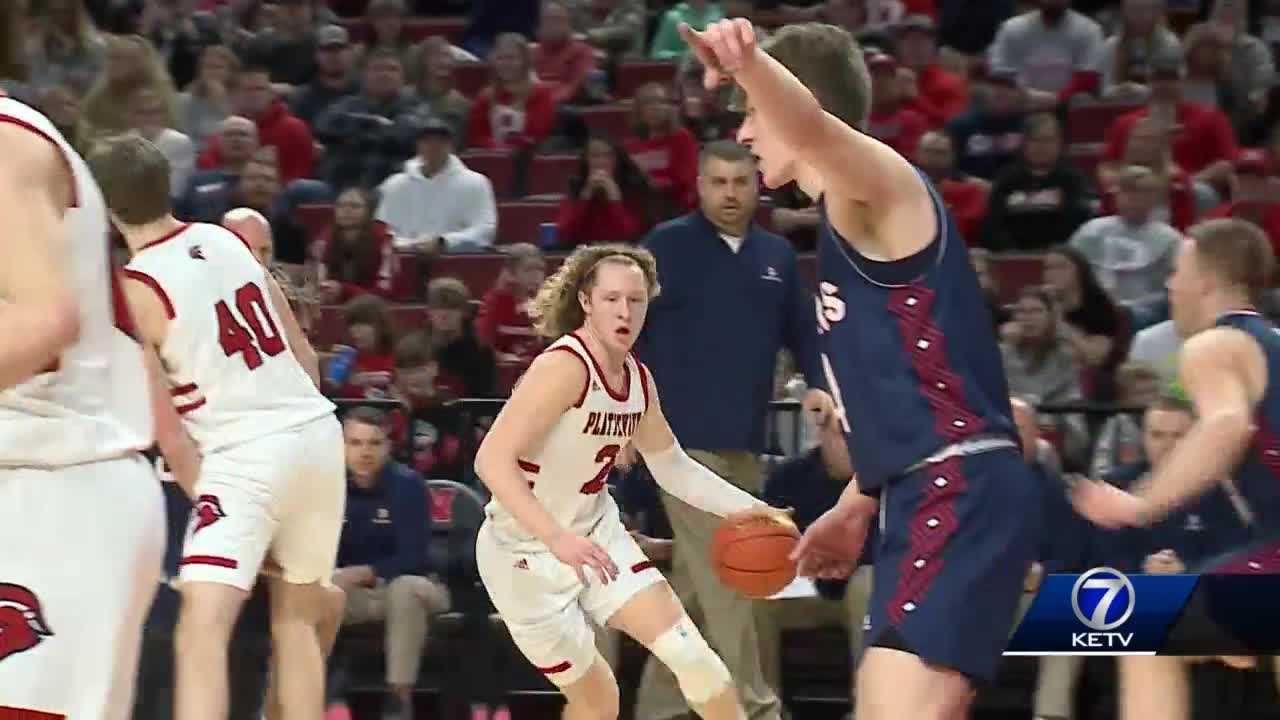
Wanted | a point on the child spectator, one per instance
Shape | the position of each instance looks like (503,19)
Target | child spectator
(1119,442)
(503,320)
(431,430)
(467,368)
(1091,322)
(354,255)
(665,151)
(608,198)
(363,369)
(515,111)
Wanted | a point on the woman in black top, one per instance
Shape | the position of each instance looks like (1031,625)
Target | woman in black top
(1095,326)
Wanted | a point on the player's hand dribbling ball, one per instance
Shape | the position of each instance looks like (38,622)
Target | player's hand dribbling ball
(751,551)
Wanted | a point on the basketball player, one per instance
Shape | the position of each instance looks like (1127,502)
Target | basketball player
(1230,369)
(913,368)
(81,512)
(553,553)
(271,476)
(255,229)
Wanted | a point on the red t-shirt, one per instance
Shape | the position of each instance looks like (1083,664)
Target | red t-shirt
(671,162)
(583,222)
(503,324)
(900,129)
(1204,136)
(941,95)
(496,122)
(370,377)
(967,202)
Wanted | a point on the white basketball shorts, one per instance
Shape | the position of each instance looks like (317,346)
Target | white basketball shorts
(80,550)
(547,610)
(285,492)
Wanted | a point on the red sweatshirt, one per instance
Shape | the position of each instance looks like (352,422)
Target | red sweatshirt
(941,95)
(278,129)
(900,129)
(671,162)
(496,124)
(585,222)
(503,324)
(1204,136)
(371,377)
(967,202)
(382,283)
(564,67)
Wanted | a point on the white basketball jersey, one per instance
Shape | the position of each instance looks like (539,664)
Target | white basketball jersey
(233,376)
(92,404)
(569,472)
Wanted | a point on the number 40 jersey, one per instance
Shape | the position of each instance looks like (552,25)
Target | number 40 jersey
(232,374)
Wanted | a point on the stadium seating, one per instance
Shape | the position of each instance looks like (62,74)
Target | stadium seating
(415,29)
(631,75)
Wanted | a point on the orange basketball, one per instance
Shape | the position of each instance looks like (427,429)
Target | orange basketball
(751,556)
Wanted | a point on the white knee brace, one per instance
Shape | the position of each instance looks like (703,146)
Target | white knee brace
(701,673)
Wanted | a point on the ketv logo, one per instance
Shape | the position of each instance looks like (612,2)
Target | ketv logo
(1101,612)
(1103,599)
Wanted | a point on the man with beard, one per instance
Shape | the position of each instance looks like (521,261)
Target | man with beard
(731,299)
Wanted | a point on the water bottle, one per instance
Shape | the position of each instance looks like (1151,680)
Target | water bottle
(340,365)
(548,236)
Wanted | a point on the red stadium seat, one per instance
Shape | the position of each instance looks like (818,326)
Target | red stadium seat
(406,319)
(631,75)
(1086,157)
(470,77)
(415,29)
(550,174)
(497,165)
(1014,272)
(612,120)
(1088,123)
(518,220)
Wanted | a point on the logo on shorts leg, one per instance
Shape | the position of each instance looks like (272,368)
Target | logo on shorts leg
(208,511)
(22,624)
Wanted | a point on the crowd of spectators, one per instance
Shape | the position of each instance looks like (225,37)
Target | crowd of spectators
(392,143)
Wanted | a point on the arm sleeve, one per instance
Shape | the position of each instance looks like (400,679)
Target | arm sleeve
(482,222)
(692,482)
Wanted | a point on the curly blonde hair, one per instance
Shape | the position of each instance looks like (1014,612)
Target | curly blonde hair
(556,310)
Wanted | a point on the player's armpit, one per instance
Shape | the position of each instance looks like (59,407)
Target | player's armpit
(553,383)
(298,342)
(39,304)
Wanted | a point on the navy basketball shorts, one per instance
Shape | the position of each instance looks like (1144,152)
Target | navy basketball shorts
(957,540)
(1221,616)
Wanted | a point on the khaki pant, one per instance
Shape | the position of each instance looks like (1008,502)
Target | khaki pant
(727,619)
(404,606)
(778,616)
(1056,677)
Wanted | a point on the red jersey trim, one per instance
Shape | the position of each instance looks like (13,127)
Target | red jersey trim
(587,383)
(191,406)
(165,237)
(529,467)
(75,197)
(215,560)
(8,712)
(604,380)
(154,284)
(183,389)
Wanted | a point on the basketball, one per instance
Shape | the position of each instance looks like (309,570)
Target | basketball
(751,556)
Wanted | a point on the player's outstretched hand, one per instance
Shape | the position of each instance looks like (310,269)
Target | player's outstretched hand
(831,546)
(724,48)
(1107,505)
(580,553)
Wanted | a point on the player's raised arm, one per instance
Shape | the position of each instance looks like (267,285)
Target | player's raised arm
(681,475)
(855,167)
(551,385)
(39,314)
(1224,372)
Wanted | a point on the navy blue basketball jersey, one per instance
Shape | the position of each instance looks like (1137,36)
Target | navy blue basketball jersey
(909,351)
(1258,477)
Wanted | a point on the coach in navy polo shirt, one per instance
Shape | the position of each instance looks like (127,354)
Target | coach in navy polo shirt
(383,557)
(731,298)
